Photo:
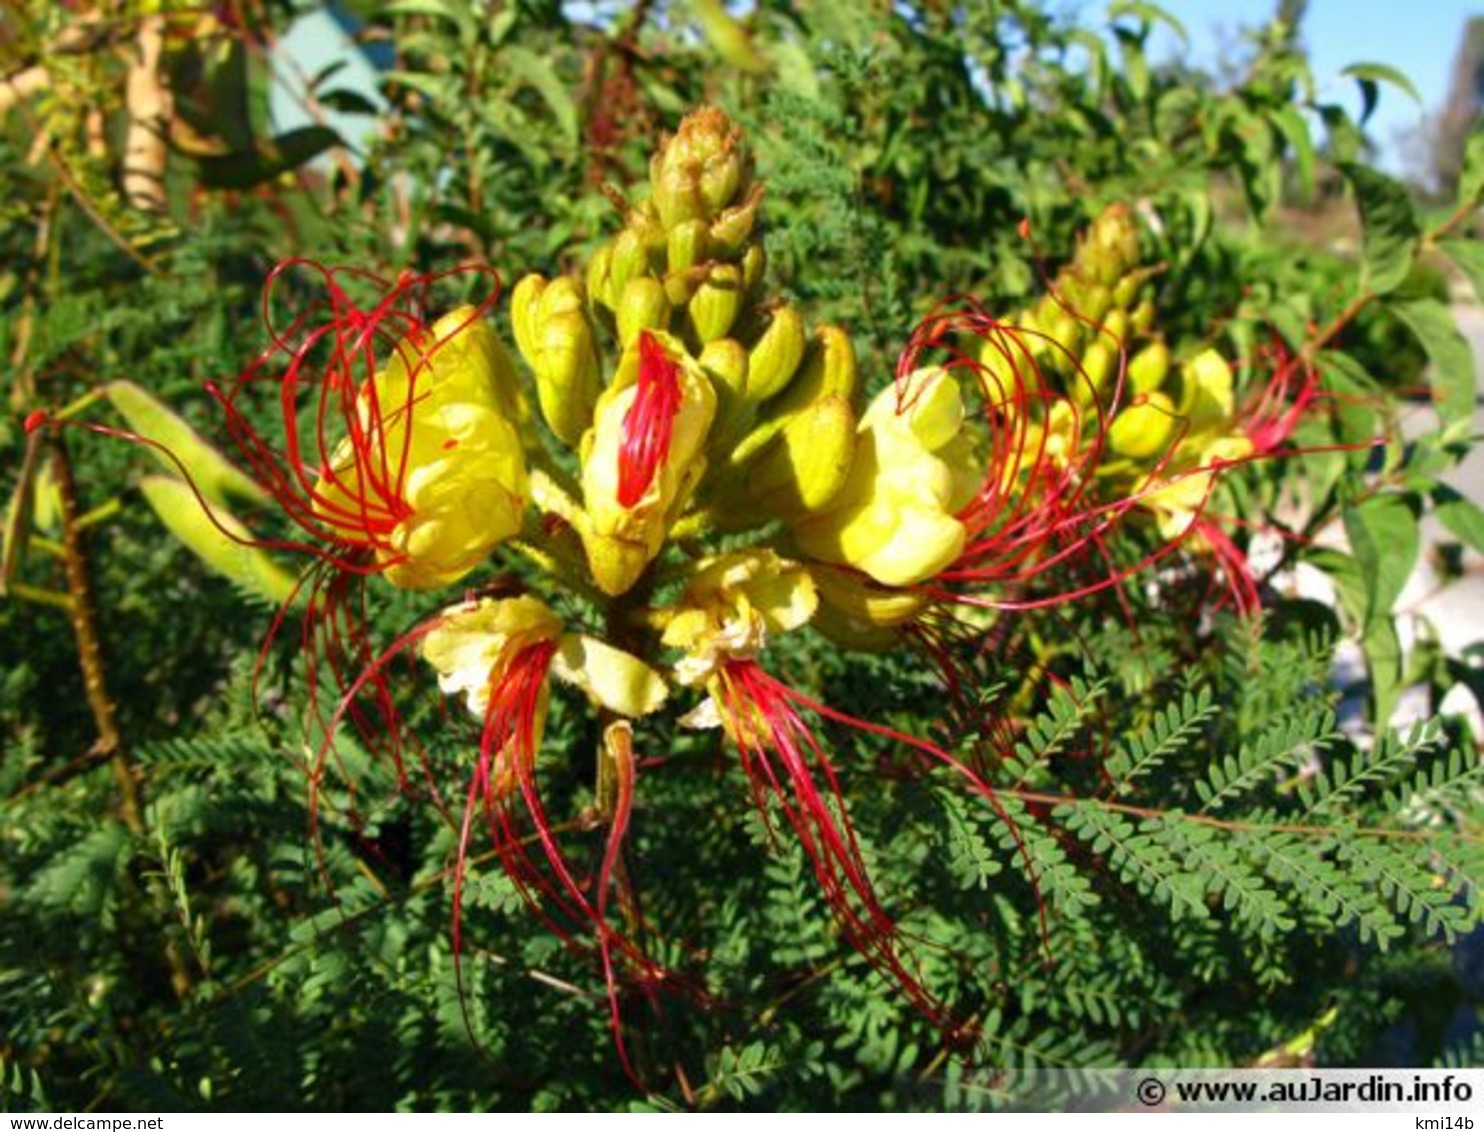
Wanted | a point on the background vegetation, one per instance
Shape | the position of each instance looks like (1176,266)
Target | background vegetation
(1234,860)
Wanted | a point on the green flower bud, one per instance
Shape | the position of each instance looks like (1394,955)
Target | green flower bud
(776,355)
(700,170)
(1142,319)
(688,245)
(731,230)
(1099,362)
(1111,248)
(726,363)
(600,290)
(644,306)
(630,258)
(556,338)
(1149,367)
(1094,303)
(806,464)
(717,302)
(828,370)
(754,264)
(1144,428)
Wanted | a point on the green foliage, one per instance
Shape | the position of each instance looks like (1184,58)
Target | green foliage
(1180,847)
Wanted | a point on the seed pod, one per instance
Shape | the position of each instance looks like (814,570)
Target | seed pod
(717,302)
(644,306)
(776,355)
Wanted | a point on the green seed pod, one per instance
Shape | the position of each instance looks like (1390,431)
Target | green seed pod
(1143,430)
(1149,367)
(689,244)
(714,307)
(776,356)
(644,306)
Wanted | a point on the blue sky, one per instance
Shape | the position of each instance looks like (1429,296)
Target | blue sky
(1418,37)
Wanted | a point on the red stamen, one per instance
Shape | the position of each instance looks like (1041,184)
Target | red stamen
(650,421)
(35,419)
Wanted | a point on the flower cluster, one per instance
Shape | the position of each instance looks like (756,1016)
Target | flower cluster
(698,474)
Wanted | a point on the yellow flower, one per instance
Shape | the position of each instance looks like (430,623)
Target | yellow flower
(431,473)
(642,458)
(731,606)
(894,519)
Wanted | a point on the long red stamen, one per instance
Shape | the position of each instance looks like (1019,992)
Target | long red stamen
(650,421)
(340,471)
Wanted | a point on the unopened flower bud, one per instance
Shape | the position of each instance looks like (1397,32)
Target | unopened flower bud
(754,265)
(894,518)
(714,307)
(1148,368)
(827,370)
(643,306)
(630,258)
(688,244)
(1112,245)
(726,363)
(732,229)
(1144,428)
(776,355)
(600,290)
(1099,362)
(807,462)
(700,170)
(555,335)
